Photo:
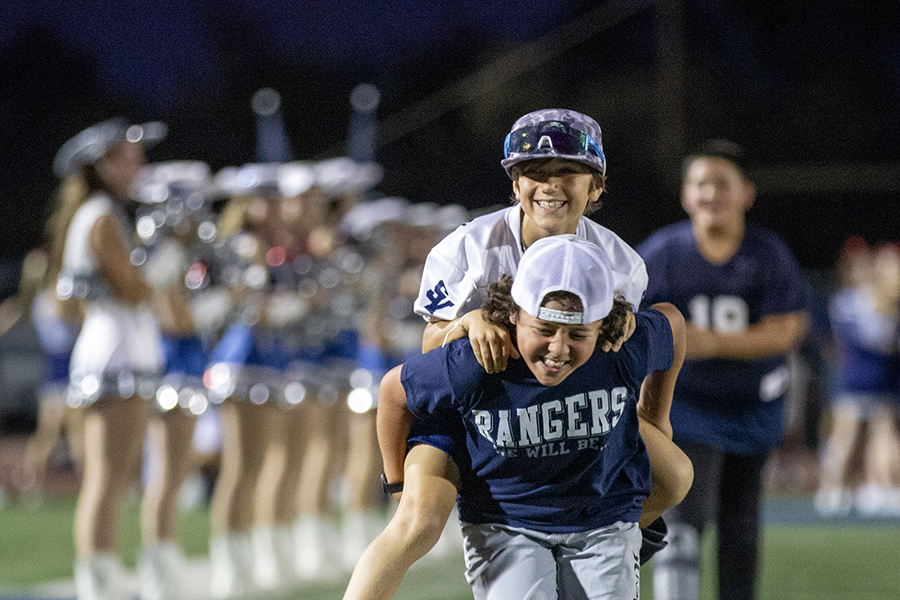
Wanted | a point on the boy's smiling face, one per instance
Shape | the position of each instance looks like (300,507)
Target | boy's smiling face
(552,350)
(554,194)
(714,194)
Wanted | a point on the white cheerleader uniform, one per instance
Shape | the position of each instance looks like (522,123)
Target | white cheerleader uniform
(118,350)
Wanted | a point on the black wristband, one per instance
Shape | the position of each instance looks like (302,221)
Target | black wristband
(390,488)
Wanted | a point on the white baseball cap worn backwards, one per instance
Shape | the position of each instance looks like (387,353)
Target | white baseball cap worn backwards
(564,263)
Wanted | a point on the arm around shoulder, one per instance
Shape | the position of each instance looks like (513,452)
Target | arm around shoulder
(440,332)
(491,344)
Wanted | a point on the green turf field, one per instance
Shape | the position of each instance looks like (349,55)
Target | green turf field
(799,562)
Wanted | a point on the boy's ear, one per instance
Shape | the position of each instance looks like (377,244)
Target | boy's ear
(516,187)
(751,195)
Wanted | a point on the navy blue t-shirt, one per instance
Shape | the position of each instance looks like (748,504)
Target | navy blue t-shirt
(559,459)
(733,405)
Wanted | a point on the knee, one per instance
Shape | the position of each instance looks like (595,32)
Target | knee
(419,525)
(673,478)
(682,477)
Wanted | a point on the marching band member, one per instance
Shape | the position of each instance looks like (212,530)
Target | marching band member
(378,229)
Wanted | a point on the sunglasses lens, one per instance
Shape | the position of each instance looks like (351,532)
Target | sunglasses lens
(554,138)
(550,137)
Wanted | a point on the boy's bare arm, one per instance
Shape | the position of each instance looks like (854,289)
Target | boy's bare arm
(771,336)
(659,387)
(393,421)
(491,344)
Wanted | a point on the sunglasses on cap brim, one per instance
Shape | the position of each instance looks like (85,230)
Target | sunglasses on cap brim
(550,137)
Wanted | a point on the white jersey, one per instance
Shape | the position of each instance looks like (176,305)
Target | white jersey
(116,338)
(460,267)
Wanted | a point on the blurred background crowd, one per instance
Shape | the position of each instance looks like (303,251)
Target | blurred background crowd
(255,311)
(312,154)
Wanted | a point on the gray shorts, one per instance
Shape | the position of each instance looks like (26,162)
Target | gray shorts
(511,563)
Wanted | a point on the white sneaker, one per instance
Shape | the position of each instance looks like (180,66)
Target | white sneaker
(101,577)
(273,558)
(893,502)
(873,500)
(193,493)
(161,572)
(231,566)
(837,502)
(315,539)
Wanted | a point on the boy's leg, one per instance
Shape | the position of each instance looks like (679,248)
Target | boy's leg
(507,563)
(738,525)
(430,481)
(671,473)
(600,564)
(671,477)
(676,569)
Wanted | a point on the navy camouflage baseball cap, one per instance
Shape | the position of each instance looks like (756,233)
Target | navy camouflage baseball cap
(552,133)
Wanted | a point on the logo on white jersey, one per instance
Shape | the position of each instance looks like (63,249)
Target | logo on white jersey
(437,298)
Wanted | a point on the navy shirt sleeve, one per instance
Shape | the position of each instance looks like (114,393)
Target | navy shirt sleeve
(650,348)
(426,382)
(430,395)
(446,378)
(784,279)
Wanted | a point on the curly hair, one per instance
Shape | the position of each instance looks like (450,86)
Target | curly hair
(500,305)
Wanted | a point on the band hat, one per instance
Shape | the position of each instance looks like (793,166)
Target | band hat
(267,180)
(343,175)
(422,214)
(451,216)
(260,179)
(94,142)
(574,121)
(158,182)
(565,263)
(295,178)
(365,217)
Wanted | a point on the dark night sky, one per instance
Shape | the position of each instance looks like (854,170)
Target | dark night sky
(156,50)
(815,84)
